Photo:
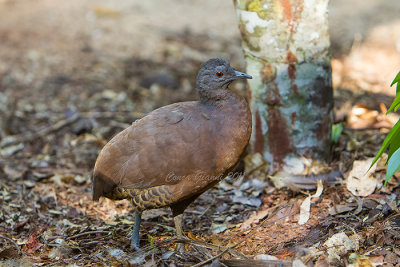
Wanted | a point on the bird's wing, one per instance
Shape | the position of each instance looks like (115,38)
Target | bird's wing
(162,148)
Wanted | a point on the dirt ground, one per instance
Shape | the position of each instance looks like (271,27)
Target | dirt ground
(74,73)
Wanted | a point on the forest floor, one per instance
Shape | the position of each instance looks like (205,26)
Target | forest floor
(73,73)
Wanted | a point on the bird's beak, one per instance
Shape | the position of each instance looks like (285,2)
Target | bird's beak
(241,75)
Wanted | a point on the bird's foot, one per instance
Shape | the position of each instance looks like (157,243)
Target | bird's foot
(135,245)
(180,248)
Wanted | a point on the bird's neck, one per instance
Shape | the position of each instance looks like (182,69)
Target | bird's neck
(213,96)
(227,100)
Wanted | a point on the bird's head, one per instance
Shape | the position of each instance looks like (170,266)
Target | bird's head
(217,74)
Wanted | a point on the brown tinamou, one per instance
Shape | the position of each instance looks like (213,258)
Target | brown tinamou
(177,152)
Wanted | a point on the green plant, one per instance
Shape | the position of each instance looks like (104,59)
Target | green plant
(392,140)
(151,241)
(337,130)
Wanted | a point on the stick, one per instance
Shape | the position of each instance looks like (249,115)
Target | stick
(19,138)
(252,232)
(12,242)
(87,233)
(211,259)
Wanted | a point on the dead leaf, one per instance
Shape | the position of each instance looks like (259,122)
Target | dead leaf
(298,263)
(360,181)
(338,209)
(218,228)
(338,245)
(264,257)
(12,173)
(362,117)
(253,219)
(11,150)
(305,206)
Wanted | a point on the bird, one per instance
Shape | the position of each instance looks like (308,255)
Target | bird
(177,152)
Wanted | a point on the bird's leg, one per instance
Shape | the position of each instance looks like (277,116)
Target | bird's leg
(135,232)
(178,226)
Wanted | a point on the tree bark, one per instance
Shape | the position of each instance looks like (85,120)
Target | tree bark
(286,46)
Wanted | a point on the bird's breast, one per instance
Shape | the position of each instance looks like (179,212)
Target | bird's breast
(230,129)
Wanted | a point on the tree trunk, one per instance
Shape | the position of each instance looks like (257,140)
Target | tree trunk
(286,45)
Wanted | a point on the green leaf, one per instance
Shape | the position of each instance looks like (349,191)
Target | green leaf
(394,145)
(396,79)
(388,140)
(337,130)
(393,165)
(395,104)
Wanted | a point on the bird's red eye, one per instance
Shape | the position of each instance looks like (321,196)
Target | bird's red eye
(219,74)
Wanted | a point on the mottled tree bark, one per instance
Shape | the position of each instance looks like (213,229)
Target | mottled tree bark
(286,49)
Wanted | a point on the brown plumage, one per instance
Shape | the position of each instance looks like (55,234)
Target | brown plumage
(175,153)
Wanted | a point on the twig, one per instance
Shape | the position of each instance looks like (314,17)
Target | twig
(203,251)
(211,259)
(86,233)
(256,169)
(252,232)
(197,243)
(273,212)
(89,243)
(19,138)
(12,242)
(206,245)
